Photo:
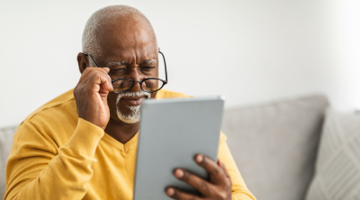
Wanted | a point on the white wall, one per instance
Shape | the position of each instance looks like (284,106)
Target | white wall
(249,51)
(348,41)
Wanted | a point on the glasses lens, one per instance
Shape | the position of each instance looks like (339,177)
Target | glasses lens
(122,85)
(151,85)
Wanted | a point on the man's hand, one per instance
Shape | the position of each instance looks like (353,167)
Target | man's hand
(219,188)
(91,96)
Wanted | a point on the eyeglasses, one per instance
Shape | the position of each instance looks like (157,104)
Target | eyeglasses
(122,85)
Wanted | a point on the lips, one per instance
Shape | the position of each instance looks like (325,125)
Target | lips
(133,100)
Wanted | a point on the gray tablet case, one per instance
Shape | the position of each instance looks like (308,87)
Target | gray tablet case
(172,132)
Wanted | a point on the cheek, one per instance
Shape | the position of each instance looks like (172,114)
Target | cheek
(153,95)
(112,101)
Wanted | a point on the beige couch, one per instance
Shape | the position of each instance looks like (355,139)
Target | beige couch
(273,144)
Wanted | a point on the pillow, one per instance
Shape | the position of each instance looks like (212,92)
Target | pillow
(337,169)
(6,137)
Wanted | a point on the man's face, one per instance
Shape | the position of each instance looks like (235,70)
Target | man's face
(129,49)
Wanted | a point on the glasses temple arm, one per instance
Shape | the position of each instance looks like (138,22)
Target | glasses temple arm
(166,78)
(88,55)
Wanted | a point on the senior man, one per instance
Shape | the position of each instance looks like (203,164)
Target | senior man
(82,144)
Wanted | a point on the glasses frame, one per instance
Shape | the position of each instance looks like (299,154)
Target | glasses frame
(133,81)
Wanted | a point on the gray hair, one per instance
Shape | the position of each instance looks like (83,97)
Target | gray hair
(90,43)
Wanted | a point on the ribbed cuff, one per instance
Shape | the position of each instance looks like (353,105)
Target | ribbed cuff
(85,138)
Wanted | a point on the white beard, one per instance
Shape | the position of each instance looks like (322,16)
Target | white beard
(134,115)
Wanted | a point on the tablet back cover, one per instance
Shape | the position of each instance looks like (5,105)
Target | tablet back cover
(172,132)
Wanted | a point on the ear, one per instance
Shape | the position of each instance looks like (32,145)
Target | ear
(83,62)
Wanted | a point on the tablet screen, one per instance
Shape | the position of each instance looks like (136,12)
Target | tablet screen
(172,132)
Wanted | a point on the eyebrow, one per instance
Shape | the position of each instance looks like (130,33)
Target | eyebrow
(147,62)
(119,63)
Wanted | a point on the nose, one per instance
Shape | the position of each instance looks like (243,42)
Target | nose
(137,78)
(136,86)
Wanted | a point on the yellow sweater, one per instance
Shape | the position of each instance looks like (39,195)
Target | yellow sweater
(56,155)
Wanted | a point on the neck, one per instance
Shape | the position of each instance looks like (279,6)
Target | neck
(121,131)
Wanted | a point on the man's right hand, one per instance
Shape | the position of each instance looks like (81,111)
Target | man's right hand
(91,96)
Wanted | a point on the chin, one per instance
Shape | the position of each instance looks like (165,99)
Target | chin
(131,118)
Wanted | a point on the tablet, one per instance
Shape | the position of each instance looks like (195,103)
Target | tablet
(172,132)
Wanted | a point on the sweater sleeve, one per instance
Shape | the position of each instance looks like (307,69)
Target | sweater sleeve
(38,169)
(239,189)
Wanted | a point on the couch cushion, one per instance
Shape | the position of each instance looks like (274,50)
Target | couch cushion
(275,145)
(337,173)
(6,137)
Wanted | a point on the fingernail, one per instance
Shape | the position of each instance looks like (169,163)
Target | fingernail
(179,173)
(170,191)
(199,158)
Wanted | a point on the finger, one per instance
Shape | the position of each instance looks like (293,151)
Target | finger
(106,69)
(106,85)
(90,70)
(217,174)
(100,79)
(83,86)
(198,183)
(99,83)
(177,194)
(83,76)
(86,73)
(222,165)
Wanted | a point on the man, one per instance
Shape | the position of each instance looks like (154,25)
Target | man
(82,144)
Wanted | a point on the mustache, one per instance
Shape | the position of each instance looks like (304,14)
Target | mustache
(133,94)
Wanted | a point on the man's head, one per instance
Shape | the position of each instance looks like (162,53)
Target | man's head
(122,38)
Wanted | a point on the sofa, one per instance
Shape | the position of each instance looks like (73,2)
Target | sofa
(274,145)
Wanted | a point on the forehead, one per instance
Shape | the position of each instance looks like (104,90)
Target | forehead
(127,37)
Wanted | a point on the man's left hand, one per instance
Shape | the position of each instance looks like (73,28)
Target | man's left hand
(218,188)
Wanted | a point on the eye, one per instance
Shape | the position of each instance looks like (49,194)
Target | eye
(147,69)
(117,71)
(120,69)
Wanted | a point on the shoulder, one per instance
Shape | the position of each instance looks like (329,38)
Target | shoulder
(164,94)
(54,121)
(55,104)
